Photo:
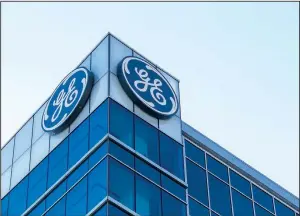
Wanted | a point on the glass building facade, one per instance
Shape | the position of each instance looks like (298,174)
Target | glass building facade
(115,159)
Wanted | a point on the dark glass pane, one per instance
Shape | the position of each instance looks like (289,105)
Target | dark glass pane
(77,199)
(242,206)
(17,198)
(213,214)
(37,182)
(147,170)
(171,157)
(194,153)
(259,211)
(58,162)
(173,187)
(196,178)
(217,168)
(79,143)
(119,176)
(146,140)
(77,174)
(98,124)
(39,210)
(4,205)
(196,209)
(56,194)
(98,154)
(282,210)
(172,206)
(115,211)
(97,184)
(102,211)
(263,198)
(121,123)
(240,183)
(219,196)
(59,209)
(122,154)
(148,196)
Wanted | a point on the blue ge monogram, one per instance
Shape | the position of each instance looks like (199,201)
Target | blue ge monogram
(147,87)
(67,100)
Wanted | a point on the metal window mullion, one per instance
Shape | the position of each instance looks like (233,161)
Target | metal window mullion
(207,183)
(230,191)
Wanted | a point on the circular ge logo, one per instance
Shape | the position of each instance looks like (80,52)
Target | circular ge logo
(147,87)
(67,100)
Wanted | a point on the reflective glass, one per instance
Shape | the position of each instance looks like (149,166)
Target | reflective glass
(119,176)
(84,113)
(37,126)
(115,211)
(145,116)
(146,140)
(98,124)
(76,203)
(172,206)
(171,127)
(102,211)
(242,206)
(263,198)
(148,196)
(17,198)
(56,139)
(39,210)
(39,150)
(194,153)
(20,169)
(99,92)
(259,211)
(219,196)
(4,206)
(147,170)
(6,155)
(59,209)
(97,184)
(217,168)
(121,123)
(98,154)
(240,183)
(282,210)
(121,154)
(196,209)
(196,178)
(5,182)
(78,143)
(56,194)
(77,174)
(173,187)
(86,63)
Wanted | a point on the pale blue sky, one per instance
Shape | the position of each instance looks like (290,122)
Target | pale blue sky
(237,64)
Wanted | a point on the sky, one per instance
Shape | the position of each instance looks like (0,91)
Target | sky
(238,66)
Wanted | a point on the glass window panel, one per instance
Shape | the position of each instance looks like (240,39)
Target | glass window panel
(219,196)
(102,211)
(6,155)
(39,210)
(97,184)
(86,63)
(213,214)
(145,116)
(196,178)
(98,154)
(173,187)
(39,150)
(99,92)
(78,143)
(37,182)
(173,164)
(4,206)
(282,210)
(146,140)
(121,154)
(115,211)
(77,174)
(217,168)
(37,126)
(147,170)
(17,198)
(147,198)
(242,206)
(240,183)
(5,182)
(59,209)
(98,124)
(118,51)
(56,194)
(171,127)
(100,60)
(194,153)
(77,199)
(124,195)
(172,206)
(121,123)
(58,162)
(196,209)
(23,139)
(263,198)
(56,139)
(84,113)
(20,168)
(259,211)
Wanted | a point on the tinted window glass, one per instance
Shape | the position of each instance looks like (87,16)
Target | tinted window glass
(115,211)
(147,170)
(173,187)
(39,210)
(56,194)
(263,198)
(59,209)
(219,196)
(173,164)
(195,153)
(217,168)
(77,174)
(197,209)
(121,123)
(102,211)
(4,205)
(98,154)
(172,206)
(17,198)
(259,211)
(240,183)
(146,140)
(282,210)
(122,154)
(98,124)
(242,206)
(196,178)
(147,198)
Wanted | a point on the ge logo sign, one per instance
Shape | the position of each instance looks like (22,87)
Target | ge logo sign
(147,87)
(67,100)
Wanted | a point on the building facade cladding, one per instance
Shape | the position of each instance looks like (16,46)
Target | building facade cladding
(115,159)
